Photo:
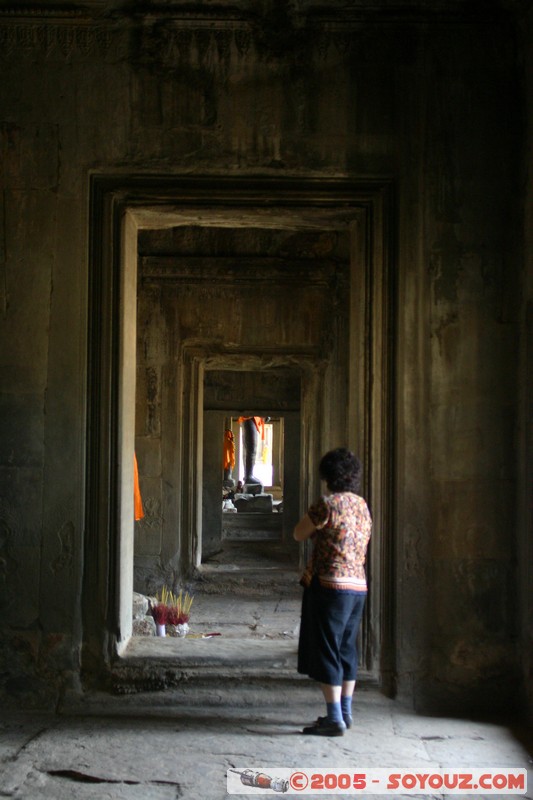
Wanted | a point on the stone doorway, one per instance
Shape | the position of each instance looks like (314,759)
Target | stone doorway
(325,318)
(267,516)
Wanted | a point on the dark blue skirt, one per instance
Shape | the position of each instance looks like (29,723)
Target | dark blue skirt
(327,649)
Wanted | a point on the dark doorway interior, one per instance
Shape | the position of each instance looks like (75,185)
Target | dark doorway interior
(241,519)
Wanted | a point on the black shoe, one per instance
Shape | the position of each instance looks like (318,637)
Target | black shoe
(323,727)
(348,720)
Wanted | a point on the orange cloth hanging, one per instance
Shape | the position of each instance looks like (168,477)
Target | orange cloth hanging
(137,500)
(229,450)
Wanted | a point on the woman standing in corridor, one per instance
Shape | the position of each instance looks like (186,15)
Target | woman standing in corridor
(334,588)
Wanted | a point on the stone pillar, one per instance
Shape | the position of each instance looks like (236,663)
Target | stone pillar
(212,483)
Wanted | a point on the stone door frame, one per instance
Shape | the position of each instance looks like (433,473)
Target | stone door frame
(120,205)
(237,360)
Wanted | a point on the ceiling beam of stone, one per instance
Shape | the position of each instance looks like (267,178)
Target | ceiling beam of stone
(278,218)
(271,12)
(241,271)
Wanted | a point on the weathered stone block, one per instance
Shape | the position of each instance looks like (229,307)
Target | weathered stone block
(145,626)
(148,416)
(148,456)
(148,531)
(253,488)
(250,503)
(140,606)
(21,430)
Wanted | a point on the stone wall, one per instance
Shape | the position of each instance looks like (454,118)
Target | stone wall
(525,448)
(431,100)
(473,318)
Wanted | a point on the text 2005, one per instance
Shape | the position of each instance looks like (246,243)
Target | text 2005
(330,780)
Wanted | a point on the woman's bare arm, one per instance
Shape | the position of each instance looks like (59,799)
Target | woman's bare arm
(304,529)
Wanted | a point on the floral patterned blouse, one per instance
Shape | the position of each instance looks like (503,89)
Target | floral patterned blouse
(343,526)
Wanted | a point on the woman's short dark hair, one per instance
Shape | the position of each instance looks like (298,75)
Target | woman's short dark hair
(341,470)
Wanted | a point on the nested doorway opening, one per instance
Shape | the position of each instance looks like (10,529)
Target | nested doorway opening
(323,277)
(256,448)
(251,468)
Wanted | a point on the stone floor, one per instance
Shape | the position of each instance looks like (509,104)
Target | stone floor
(247,601)
(158,747)
(259,555)
(237,703)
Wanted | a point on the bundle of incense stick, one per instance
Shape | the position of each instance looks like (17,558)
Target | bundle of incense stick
(180,604)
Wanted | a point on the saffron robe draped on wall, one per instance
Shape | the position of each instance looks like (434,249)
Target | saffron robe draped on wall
(229,450)
(137,500)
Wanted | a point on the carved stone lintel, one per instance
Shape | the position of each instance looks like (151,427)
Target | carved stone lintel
(163,43)
(66,40)
(242,272)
